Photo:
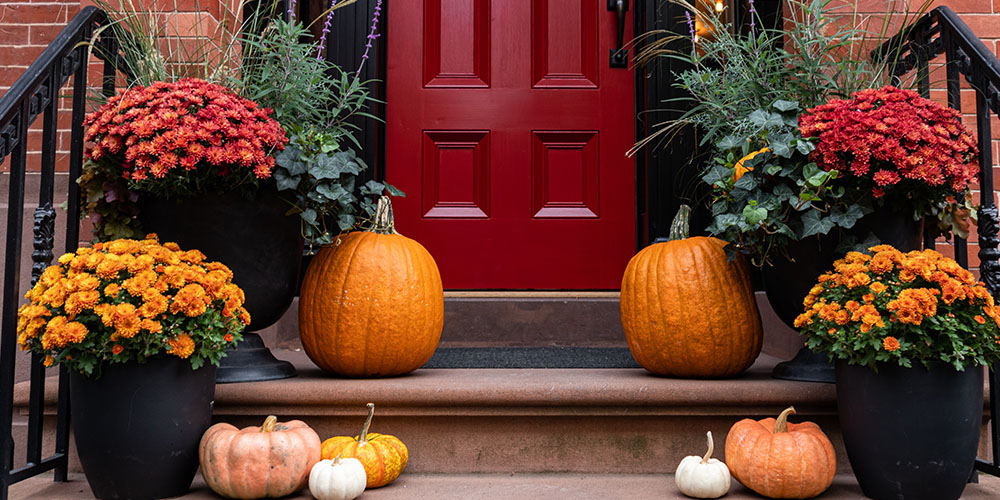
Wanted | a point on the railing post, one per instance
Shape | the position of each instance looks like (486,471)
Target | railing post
(16,136)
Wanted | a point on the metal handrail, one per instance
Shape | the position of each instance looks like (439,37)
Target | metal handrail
(938,32)
(36,93)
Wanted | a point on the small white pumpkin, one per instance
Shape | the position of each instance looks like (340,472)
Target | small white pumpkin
(337,479)
(703,477)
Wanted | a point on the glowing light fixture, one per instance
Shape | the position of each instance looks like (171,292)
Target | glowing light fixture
(720,6)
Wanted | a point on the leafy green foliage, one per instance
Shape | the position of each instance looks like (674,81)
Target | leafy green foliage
(814,56)
(744,92)
(323,178)
(782,196)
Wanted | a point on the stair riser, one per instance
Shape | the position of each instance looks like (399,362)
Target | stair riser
(546,443)
(539,322)
(526,440)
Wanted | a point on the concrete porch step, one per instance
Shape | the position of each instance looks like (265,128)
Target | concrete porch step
(494,486)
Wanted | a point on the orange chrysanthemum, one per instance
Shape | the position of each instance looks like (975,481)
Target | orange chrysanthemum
(890,344)
(182,346)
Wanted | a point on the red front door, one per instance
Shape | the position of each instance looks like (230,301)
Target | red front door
(507,129)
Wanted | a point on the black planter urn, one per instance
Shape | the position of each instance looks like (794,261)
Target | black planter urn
(137,426)
(910,433)
(787,281)
(259,243)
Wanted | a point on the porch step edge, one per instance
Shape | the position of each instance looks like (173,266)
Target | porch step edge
(542,486)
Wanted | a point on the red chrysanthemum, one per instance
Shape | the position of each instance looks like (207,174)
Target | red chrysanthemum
(190,124)
(893,137)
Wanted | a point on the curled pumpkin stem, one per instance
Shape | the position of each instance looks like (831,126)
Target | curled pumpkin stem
(711,448)
(268,424)
(781,424)
(363,437)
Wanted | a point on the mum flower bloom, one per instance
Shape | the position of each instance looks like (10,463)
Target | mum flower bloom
(890,344)
(182,346)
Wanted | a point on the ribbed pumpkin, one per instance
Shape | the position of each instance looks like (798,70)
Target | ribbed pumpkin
(780,459)
(272,460)
(687,311)
(383,456)
(372,304)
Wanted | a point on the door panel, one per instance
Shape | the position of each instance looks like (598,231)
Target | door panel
(508,132)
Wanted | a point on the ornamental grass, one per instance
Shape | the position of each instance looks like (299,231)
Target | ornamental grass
(131,300)
(901,308)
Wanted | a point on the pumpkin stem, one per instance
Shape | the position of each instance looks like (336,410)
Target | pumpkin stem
(781,425)
(269,422)
(711,448)
(363,437)
(384,222)
(679,228)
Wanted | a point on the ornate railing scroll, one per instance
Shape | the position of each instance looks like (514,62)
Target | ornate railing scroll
(36,93)
(938,32)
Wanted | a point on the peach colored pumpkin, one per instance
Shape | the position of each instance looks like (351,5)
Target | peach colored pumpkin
(272,460)
(779,459)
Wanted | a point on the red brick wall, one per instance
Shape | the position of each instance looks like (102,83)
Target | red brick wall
(28,26)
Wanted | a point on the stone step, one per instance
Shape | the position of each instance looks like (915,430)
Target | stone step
(460,421)
(545,486)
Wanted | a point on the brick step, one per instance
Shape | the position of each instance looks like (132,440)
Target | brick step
(492,486)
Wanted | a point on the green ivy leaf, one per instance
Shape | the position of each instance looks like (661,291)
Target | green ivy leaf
(748,182)
(345,221)
(753,214)
(395,191)
(332,192)
(716,174)
(309,216)
(814,223)
(785,106)
(730,142)
(284,181)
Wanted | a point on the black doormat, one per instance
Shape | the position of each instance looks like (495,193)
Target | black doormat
(532,357)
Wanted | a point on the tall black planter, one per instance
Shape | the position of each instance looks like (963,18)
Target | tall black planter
(137,427)
(787,281)
(259,243)
(910,433)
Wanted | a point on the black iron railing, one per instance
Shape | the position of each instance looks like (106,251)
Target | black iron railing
(942,32)
(36,93)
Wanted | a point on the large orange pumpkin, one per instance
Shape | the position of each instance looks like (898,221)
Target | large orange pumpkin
(780,459)
(383,456)
(687,310)
(372,304)
(272,460)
